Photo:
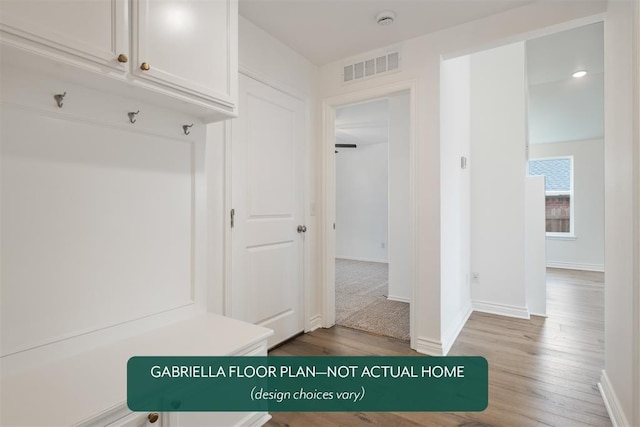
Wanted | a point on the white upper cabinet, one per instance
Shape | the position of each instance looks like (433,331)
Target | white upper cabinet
(185,50)
(96,30)
(188,45)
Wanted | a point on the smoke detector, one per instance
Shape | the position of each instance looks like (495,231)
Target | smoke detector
(386,17)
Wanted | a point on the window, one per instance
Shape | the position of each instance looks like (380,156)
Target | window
(558,173)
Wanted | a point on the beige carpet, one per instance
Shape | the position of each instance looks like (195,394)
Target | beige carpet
(361,302)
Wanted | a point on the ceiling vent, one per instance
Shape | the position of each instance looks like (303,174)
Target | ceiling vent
(371,67)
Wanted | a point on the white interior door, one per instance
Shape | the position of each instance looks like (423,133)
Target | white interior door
(267,199)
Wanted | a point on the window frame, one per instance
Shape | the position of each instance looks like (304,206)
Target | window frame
(560,235)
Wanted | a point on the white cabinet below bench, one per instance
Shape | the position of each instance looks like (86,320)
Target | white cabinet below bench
(89,389)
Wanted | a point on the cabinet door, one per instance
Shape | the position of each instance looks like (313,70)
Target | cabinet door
(188,45)
(96,30)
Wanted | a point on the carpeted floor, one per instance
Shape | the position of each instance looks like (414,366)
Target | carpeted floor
(361,302)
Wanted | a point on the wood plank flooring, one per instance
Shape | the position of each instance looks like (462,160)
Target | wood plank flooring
(542,372)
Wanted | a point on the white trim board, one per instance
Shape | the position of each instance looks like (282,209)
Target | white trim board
(441,348)
(350,258)
(315,322)
(399,299)
(429,347)
(450,336)
(575,266)
(501,309)
(611,402)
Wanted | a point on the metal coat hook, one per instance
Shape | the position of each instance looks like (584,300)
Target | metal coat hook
(59,97)
(132,116)
(186,130)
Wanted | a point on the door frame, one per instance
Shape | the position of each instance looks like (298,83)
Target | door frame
(328,195)
(306,219)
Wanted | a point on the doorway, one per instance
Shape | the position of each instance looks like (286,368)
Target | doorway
(486,95)
(372,216)
(381,243)
(565,73)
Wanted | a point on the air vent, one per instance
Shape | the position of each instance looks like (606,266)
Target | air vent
(371,67)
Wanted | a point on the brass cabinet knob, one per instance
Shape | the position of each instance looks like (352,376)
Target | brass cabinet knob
(144,66)
(153,417)
(122,58)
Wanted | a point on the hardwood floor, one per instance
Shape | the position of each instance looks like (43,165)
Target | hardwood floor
(542,372)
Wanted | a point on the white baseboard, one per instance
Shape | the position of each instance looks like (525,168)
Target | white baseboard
(452,333)
(429,347)
(441,348)
(314,323)
(501,309)
(349,258)
(575,266)
(399,299)
(531,313)
(611,402)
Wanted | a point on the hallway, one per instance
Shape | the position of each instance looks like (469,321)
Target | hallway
(541,371)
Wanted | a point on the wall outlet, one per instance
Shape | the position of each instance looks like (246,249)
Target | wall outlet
(475,277)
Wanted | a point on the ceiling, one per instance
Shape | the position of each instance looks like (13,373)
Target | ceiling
(563,108)
(556,57)
(363,124)
(328,30)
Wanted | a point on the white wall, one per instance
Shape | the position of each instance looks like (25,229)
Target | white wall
(586,251)
(362,202)
(100,239)
(621,216)
(636,285)
(455,196)
(498,170)
(269,60)
(420,60)
(563,108)
(399,209)
(365,233)
(535,251)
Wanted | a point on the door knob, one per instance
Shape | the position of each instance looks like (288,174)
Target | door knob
(153,417)
(122,58)
(302,229)
(145,67)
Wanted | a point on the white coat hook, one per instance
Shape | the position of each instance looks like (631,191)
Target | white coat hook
(59,97)
(132,116)
(186,130)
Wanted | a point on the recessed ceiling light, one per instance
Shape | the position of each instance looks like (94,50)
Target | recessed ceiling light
(579,74)
(386,17)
